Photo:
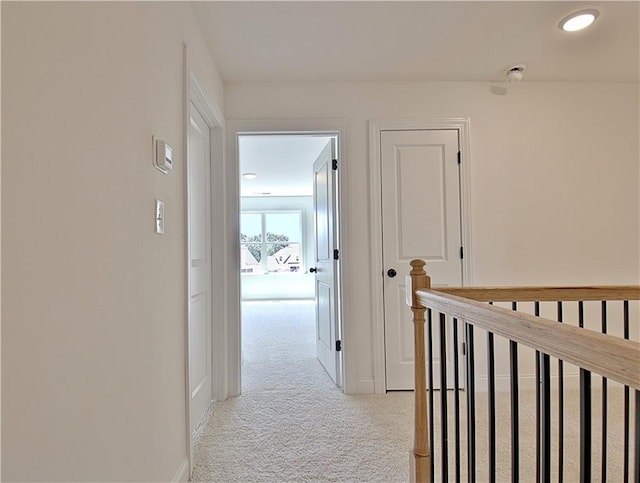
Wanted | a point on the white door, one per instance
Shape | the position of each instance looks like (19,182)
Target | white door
(421,219)
(325,206)
(200,360)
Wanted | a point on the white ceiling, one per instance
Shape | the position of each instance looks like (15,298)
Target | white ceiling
(283,164)
(269,41)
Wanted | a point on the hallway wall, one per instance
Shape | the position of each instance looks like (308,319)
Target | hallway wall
(93,319)
(554,179)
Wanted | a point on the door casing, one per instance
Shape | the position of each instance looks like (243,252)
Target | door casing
(232,196)
(197,93)
(375,187)
(200,276)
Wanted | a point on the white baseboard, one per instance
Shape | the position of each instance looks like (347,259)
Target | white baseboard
(203,422)
(362,386)
(182,475)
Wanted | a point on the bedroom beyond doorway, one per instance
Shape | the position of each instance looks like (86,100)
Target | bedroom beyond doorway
(289,231)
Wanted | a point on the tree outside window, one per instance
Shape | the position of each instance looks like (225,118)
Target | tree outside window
(271,242)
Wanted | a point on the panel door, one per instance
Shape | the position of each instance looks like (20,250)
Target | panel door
(421,219)
(200,327)
(324,192)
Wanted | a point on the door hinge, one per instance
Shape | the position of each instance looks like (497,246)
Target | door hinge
(461,252)
(464,349)
(459,158)
(336,254)
(338,345)
(334,164)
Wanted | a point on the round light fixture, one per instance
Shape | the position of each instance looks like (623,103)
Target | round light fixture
(249,175)
(579,20)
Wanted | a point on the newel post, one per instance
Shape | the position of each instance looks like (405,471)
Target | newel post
(421,454)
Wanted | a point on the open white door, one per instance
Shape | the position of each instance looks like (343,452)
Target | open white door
(326,255)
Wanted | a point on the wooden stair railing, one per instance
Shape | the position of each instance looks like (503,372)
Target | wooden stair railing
(421,454)
(611,357)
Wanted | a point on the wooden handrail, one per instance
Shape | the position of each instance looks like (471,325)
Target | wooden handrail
(609,356)
(544,294)
(612,357)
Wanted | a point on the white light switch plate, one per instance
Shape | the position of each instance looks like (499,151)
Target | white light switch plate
(159,217)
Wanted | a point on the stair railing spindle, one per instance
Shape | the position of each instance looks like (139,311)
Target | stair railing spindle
(515,411)
(456,397)
(444,416)
(625,316)
(560,408)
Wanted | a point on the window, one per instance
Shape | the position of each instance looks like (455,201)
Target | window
(271,242)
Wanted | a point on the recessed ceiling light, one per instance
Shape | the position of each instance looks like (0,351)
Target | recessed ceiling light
(579,20)
(249,175)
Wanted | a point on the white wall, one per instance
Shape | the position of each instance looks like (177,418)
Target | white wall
(93,331)
(554,180)
(282,285)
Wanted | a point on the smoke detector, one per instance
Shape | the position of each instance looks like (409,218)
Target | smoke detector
(515,73)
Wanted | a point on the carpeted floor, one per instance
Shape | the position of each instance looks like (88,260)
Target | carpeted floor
(292,424)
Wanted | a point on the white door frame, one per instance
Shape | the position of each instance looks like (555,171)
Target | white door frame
(196,92)
(376,126)
(277,126)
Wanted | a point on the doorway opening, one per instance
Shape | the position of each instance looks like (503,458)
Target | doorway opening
(288,208)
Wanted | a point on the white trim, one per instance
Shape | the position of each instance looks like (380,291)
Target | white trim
(376,126)
(364,385)
(203,423)
(286,126)
(182,474)
(185,156)
(196,92)
(231,255)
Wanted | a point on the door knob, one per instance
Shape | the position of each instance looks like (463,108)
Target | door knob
(313,270)
(392,273)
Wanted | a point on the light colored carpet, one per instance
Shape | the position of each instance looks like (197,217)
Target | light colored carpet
(292,424)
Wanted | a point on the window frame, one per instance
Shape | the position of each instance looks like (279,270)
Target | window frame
(264,243)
